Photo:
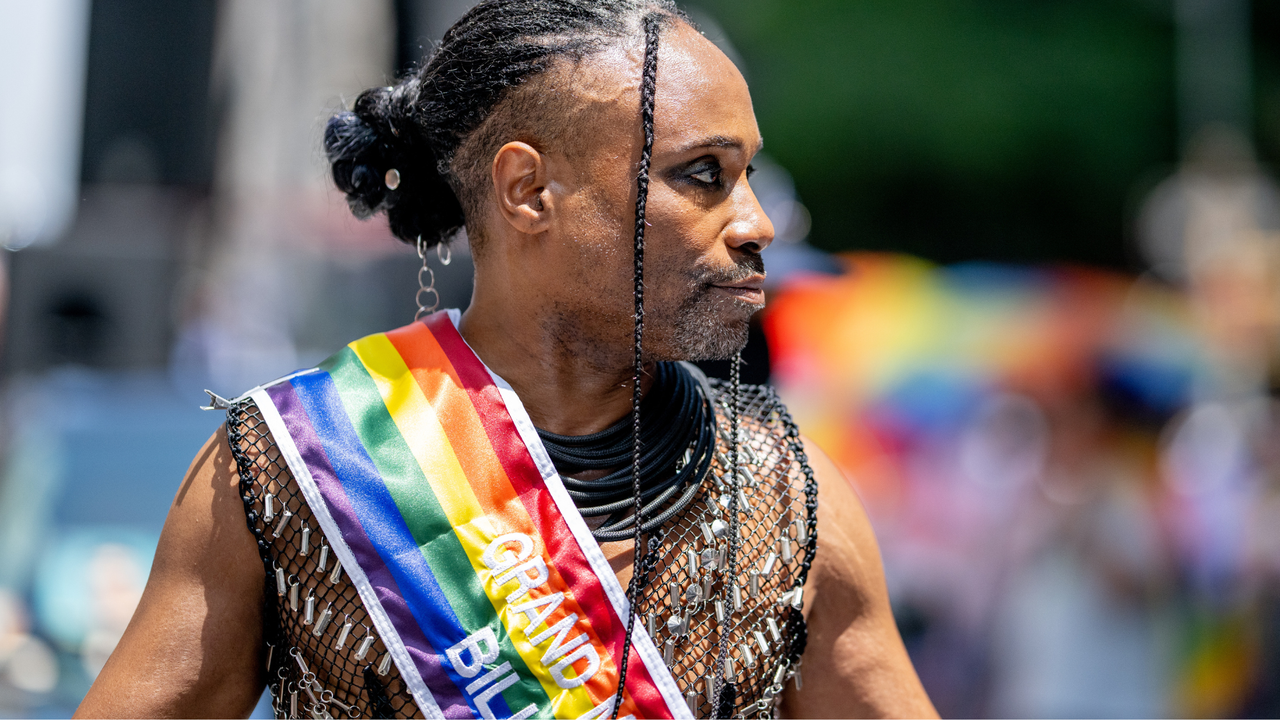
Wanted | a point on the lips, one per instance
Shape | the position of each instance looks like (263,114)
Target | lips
(750,289)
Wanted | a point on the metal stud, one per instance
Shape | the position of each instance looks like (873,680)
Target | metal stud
(708,558)
(780,674)
(737,598)
(799,683)
(692,594)
(691,561)
(797,598)
(309,610)
(730,671)
(722,558)
(748,658)
(769,562)
(293,704)
(753,585)
(323,622)
(714,507)
(269,508)
(293,596)
(324,557)
(707,537)
(764,644)
(691,699)
(673,624)
(707,582)
(343,634)
(306,541)
(720,612)
(786,548)
(669,652)
(743,505)
(802,531)
(774,632)
(365,644)
(284,520)
(719,528)
(280,586)
(336,574)
(651,624)
(385,665)
(710,689)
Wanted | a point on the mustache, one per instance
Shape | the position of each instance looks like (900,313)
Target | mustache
(749,266)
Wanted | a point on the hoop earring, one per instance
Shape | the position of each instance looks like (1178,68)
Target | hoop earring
(444,253)
(427,285)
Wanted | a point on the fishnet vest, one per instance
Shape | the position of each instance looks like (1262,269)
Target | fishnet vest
(325,659)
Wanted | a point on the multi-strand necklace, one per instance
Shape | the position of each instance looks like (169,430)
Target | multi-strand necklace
(677,437)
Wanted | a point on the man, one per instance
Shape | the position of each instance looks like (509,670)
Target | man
(447,514)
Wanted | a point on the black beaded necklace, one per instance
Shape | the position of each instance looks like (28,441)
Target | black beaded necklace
(677,437)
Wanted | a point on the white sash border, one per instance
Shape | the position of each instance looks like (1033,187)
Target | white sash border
(378,614)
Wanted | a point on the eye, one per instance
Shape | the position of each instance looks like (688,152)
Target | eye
(707,176)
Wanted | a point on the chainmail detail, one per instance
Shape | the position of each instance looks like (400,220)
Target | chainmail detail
(309,603)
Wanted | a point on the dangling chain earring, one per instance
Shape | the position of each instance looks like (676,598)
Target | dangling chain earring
(427,286)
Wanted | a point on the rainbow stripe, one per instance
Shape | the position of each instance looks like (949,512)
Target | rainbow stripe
(427,476)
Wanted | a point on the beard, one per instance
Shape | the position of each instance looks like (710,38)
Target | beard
(706,324)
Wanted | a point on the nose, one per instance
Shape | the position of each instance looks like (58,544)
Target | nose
(750,230)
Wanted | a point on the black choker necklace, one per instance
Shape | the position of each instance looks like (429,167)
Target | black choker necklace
(677,434)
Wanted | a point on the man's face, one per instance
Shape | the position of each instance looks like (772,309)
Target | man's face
(705,229)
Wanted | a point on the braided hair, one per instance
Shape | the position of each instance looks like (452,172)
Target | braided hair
(438,129)
(440,126)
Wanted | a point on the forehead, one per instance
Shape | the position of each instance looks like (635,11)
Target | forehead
(700,93)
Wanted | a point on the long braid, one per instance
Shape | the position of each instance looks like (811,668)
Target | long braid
(639,574)
(725,696)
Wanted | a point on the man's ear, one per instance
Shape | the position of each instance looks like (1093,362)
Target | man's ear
(520,186)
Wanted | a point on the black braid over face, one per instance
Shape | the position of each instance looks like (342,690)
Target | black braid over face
(423,125)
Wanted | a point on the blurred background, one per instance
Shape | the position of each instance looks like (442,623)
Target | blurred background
(1026,292)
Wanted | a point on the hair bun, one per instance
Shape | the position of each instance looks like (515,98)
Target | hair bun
(378,135)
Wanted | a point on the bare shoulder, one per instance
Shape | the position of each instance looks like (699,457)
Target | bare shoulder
(193,646)
(855,664)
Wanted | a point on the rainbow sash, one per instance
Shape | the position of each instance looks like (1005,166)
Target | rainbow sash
(437,496)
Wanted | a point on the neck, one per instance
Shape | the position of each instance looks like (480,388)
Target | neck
(568,384)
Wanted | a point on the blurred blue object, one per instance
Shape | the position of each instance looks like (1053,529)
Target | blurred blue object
(93,461)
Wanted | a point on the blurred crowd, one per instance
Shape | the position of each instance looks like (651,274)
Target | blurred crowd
(1074,474)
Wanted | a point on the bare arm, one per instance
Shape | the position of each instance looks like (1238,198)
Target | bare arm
(194,645)
(855,664)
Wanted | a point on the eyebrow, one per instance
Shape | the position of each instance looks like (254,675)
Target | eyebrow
(719,141)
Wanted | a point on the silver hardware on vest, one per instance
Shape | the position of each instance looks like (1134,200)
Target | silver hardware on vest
(797,598)
(293,596)
(691,561)
(769,561)
(364,646)
(651,624)
(669,652)
(774,632)
(344,633)
(737,598)
(753,585)
(271,651)
(760,641)
(306,541)
(708,557)
(707,536)
(707,582)
(324,557)
(280,586)
(720,612)
(336,574)
(691,699)
(748,658)
(284,520)
(323,622)
(802,531)
(269,508)
(786,548)
(385,665)
(309,610)
(719,528)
